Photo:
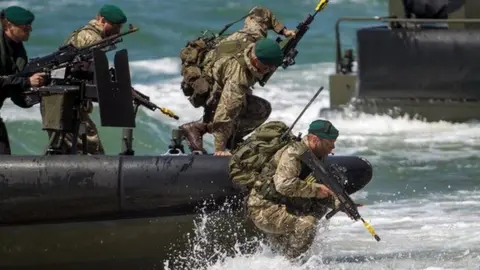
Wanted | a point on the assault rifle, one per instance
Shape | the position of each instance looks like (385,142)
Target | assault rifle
(289,48)
(68,54)
(140,99)
(144,100)
(333,178)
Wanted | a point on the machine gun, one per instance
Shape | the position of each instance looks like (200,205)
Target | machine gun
(67,96)
(289,48)
(68,55)
(78,76)
(68,65)
(334,179)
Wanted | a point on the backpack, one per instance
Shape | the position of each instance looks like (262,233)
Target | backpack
(250,157)
(194,82)
(198,57)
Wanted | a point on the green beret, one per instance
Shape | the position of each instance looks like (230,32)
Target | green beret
(18,15)
(323,129)
(113,14)
(268,52)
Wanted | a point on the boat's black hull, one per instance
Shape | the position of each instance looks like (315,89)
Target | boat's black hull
(72,188)
(136,211)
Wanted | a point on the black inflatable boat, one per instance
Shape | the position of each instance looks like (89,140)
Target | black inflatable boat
(86,188)
(122,212)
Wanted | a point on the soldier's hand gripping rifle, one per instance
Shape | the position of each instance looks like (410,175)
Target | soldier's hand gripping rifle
(329,178)
(68,54)
(289,48)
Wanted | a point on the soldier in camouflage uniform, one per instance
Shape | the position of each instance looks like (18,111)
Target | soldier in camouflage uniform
(280,203)
(237,108)
(108,22)
(257,23)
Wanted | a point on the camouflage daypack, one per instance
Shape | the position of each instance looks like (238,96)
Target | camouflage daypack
(198,57)
(249,158)
(195,84)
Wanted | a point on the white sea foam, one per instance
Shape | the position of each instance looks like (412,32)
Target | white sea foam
(289,91)
(434,232)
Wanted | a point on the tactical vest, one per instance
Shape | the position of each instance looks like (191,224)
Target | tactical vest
(267,188)
(268,191)
(250,157)
(198,58)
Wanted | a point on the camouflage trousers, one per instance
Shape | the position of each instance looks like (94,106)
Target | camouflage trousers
(94,145)
(290,234)
(245,118)
(255,113)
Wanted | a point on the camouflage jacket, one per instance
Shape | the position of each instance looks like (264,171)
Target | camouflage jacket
(233,78)
(257,24)
(255,28)
(283,174)
(86,35)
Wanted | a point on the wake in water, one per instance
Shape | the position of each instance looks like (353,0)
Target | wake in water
(430,233)
(218,235)
(378,136)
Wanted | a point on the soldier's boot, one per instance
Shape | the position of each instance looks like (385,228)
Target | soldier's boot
(194,132)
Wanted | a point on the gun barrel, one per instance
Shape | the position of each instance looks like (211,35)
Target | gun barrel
(144,100)
(114,39)
(289,50)
(66,54)
(142,95)
(90,90)
(326,178)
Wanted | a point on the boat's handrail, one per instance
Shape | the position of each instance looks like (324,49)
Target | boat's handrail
(386,20)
